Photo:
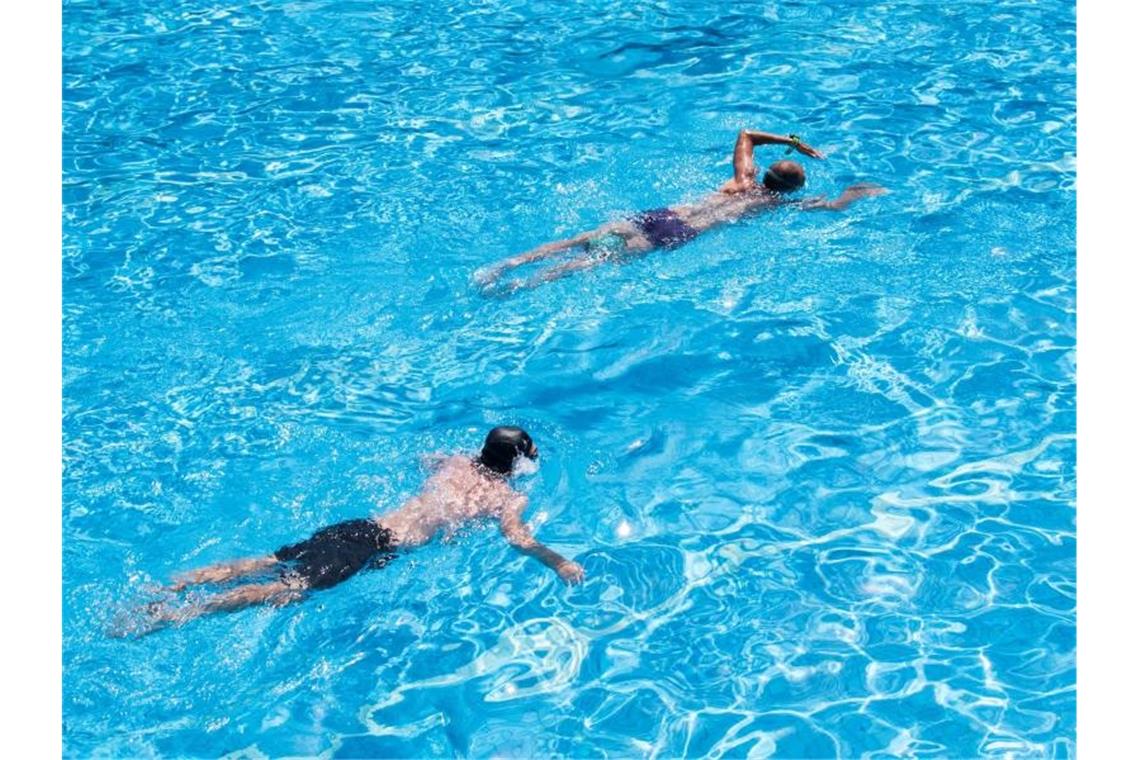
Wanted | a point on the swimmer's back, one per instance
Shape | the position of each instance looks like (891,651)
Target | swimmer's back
(459,491)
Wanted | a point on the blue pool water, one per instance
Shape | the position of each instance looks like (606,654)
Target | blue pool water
(819,468)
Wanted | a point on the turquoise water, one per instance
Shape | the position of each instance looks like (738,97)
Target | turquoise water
(819,468)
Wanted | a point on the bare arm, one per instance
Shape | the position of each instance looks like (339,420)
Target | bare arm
(845,199)
(743,161)
(519,536)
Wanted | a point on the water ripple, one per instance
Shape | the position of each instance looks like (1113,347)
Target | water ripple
(820,469)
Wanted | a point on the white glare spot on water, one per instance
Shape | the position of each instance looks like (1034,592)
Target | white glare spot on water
(624,529)
(969,326)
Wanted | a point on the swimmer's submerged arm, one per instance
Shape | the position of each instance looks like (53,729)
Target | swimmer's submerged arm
(845,199)
(520,537)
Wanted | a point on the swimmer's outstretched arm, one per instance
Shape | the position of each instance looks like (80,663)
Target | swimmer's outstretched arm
(851,194)
(222,572)
(520,537)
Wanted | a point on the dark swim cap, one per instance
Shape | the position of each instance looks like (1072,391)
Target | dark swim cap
(504,444)
(784,176)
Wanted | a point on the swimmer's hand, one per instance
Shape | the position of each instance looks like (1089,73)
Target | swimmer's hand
(804,148)
(570,572)
(853,193)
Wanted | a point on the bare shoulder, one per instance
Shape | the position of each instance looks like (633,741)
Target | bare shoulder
(735,187)
(514,501)
(452,472)
(459,478)
(455,461)
(501,498)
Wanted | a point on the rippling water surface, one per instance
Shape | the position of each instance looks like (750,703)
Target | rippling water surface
(819,467)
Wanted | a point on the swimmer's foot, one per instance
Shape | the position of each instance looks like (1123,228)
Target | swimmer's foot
(151,617)
(502,289)
(487,277)
(137,622)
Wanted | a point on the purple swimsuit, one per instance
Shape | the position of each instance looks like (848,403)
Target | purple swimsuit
(664,228)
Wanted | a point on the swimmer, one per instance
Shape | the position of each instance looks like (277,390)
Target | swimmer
(676,225)
(461,489)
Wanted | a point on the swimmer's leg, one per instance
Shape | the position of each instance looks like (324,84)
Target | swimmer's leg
(634,243)
(488,277)
(557,273)
(222,572)
(277,593)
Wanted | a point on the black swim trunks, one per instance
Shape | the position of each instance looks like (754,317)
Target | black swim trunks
(335,553)
(664,228)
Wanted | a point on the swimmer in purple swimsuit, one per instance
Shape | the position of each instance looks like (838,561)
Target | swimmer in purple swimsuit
(674,226)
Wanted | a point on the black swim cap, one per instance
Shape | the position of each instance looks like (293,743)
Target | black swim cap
(503,445)
(784,176)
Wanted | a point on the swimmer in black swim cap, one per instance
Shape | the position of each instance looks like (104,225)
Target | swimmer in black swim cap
(503,446)
(461,489)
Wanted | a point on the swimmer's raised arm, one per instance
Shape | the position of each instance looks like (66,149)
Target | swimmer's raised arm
(853,193)
(743,161)
(519,536)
